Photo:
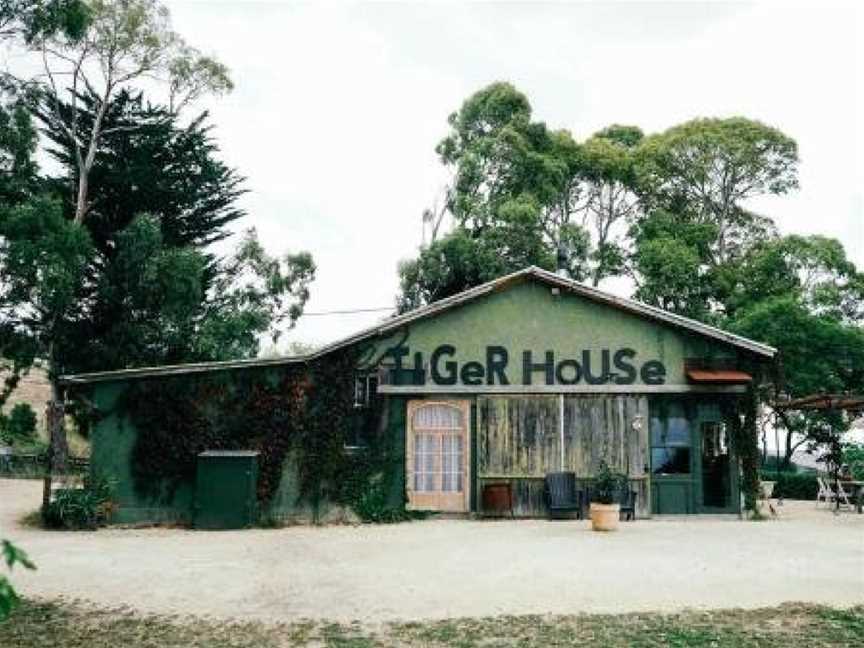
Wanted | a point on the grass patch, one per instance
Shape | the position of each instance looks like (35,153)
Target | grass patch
(57,624)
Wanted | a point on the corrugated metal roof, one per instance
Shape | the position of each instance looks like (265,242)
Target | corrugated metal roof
(395,323)
(178,369)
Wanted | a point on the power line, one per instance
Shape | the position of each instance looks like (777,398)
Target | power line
(349,312)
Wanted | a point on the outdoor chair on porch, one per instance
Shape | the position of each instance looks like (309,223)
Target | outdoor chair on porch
(628,505)
(825,494)
(832,493)
(562,497)
(841,494)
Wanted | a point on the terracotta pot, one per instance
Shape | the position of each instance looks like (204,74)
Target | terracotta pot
(604,517)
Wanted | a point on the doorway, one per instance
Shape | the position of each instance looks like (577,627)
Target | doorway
(716,467)
(693,463)
(672,466)
(437,457)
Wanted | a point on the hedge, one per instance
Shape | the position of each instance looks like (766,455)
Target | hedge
(798,486)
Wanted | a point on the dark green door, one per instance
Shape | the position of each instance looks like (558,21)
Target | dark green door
(672,458)
(693,462)
(225,489)
(717,464)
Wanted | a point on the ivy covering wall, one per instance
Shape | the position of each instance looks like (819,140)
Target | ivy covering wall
(304,411)
(741,415)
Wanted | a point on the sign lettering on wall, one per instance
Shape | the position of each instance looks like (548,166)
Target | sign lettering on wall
(592,367)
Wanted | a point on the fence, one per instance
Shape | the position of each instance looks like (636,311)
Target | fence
(33,465)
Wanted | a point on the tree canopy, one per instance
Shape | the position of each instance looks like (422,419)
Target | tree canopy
(109,263)
(670,213)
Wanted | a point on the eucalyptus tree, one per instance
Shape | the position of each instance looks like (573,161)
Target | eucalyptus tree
(607,178)
(512,199)
(803,295)
(123,43)
(695,227)
(29,20)
(711,167)
(459,261)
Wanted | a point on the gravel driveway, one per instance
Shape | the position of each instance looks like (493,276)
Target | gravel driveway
(447,568)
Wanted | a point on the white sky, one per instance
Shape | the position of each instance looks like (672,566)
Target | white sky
(338,108)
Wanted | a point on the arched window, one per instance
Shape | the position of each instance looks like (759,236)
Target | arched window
(438,416)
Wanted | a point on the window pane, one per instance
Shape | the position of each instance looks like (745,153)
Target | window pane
(657,430)
(438,416)
(359,391)
(425,450)
(672,431)
(451,462)
(678,432)
(670,461)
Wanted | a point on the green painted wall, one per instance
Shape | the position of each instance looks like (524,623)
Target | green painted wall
(113,439)
(112,442)
(528,316)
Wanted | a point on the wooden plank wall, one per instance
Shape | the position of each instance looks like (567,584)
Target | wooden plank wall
(518,441)
(517,435)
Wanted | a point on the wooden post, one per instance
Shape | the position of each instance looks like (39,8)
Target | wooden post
(58,450)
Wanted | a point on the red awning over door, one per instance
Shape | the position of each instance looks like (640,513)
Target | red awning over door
(718,376)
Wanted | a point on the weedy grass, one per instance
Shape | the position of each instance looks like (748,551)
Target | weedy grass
(74,624)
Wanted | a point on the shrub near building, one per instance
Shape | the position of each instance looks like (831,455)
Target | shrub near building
(19,427)
(795,486)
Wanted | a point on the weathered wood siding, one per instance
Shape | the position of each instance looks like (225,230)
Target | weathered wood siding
(518,436)
(519,441)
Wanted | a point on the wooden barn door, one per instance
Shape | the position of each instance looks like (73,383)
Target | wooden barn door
(438,456)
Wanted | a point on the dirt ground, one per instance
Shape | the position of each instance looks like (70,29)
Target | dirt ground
(447,568)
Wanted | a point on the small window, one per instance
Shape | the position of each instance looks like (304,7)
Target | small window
(671,441)
(670,461)
(365,389)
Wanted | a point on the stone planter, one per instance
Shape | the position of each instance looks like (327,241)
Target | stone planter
(605,517)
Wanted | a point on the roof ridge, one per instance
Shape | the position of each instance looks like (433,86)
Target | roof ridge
(589,292)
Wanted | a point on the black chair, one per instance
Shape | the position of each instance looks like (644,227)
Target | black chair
(561,495)
(628,504)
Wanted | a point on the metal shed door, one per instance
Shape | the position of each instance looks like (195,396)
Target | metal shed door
(225,490)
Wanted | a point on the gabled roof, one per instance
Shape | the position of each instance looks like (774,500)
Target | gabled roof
(424,312)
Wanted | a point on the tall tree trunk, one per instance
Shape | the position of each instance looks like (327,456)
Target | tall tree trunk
(81,198)
(788,450)
(55,419)
(85,166)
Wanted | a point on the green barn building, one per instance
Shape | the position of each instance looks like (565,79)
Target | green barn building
(502,384)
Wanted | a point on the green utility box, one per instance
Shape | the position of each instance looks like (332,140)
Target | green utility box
(225,489)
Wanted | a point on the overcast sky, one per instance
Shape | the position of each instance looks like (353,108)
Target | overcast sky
(338,108)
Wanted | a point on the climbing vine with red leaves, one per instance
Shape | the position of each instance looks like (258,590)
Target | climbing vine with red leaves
(302,410)
(177,418)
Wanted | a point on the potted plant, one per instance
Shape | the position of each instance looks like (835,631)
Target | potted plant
(605,505)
